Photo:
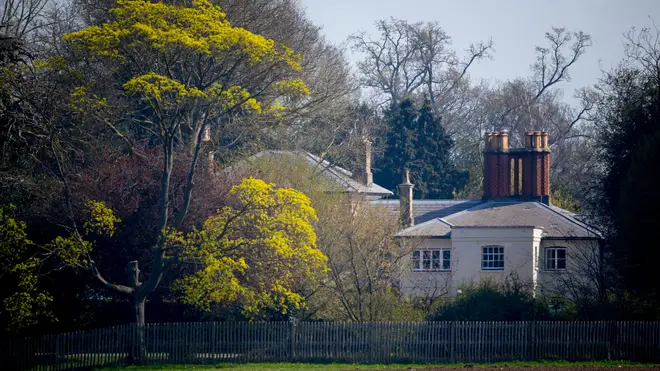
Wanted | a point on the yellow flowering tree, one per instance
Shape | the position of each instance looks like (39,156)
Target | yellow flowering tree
(177,70)
(256,251)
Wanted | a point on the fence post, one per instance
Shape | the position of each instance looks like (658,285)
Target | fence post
(611,340)
(57,352)
(452,340)
(292,332)
(531,340)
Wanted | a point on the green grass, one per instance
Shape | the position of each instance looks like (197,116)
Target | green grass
(345,366)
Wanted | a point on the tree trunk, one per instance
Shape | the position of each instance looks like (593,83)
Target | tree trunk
(138,305)
(138,350)
(138,347)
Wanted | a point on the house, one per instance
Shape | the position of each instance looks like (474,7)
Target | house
(340,179)
(514,230)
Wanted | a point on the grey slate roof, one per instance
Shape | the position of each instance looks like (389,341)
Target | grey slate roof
(425,210)
(555,222)
(341,176)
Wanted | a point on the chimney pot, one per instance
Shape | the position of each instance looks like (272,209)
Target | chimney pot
(529,139)
(537,139)
(504,141)
(490,141)
(544,139)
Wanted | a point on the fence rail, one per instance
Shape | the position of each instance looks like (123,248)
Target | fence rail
(420,342)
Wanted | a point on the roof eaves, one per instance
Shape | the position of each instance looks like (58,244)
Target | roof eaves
(497,226)
(570,219)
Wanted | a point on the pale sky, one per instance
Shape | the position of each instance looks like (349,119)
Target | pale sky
(516,27)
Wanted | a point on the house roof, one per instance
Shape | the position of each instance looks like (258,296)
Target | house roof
(425,210)
(341,176)
(555,222)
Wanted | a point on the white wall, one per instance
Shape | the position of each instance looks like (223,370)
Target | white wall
(582,268)
(521,248)
(426,284)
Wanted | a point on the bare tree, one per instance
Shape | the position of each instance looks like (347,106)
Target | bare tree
(532,103)
(20,18)
(365,261)
(364,258)
(413,58)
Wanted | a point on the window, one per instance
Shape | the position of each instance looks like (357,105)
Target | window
(492,258)
(555,259)
(432,260)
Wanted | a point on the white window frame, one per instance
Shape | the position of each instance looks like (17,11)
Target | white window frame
(551,263)
(488,254)
(435,257)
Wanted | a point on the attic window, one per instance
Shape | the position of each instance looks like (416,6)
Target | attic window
(431,260)
(555,259)
(492,258)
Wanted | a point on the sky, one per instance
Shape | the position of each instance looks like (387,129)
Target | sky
(515,26)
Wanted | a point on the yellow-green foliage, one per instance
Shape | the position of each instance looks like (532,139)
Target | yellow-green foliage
(561,197)
(27,303)
(21,261)
(256,251)
(101,219)
(74,249)
(200,32)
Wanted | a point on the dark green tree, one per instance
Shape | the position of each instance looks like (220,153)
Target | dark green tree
(399,145)
(628,201)
(416,140)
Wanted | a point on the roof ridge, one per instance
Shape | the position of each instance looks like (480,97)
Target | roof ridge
(450,225)
(464,211)
(422,225)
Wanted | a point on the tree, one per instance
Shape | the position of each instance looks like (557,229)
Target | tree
(438,177)
(400,144)
(365,263)
(316,123)
(27,304)
(409,58)
(160,74)
(527,104)
(194,57)
(254,252)
(416,140)
(627,115)
(20,18)
(364,259)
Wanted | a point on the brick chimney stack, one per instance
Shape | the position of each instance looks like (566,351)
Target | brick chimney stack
(497,167)
(536,167)
(523,173)
(406,200)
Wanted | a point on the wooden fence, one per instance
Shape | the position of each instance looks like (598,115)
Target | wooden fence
(418,342)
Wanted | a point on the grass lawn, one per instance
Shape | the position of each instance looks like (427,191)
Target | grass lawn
(344,366)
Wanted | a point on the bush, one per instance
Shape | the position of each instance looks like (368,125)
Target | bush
(490,301)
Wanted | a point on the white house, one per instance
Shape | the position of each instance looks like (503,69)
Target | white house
(513,231)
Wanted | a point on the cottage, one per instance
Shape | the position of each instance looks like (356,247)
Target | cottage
(513,231)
